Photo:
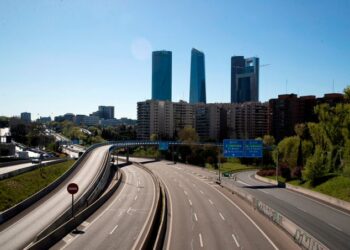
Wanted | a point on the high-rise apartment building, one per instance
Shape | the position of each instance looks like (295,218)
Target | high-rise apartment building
(244,79)
(247,120)
(161,75)
(26,117)
(197,78)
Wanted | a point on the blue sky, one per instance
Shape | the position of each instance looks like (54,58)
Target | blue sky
(59,56)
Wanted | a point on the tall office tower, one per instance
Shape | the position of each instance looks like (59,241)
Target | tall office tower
(161,75)
(26,117)
(197,83)
(244,79)
(106,112)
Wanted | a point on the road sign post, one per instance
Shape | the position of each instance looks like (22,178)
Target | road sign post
(73,188)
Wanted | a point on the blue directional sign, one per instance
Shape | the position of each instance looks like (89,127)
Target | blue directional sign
(242,148)
(163,146)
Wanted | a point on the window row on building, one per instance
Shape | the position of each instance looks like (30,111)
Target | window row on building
(212,122)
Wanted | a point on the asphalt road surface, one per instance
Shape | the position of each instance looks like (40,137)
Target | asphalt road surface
(203,217)
(328,224)
(119,223)
(23,231)
(8,169)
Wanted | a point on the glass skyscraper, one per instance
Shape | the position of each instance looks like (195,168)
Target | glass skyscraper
(161,75)
(244,79)
(197,81)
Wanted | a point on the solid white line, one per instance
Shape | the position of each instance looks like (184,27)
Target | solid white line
(222,217)
(314,200)
(100,215)
(114,229)
(248,217)
(135,198)
(335,227)
(200,240)
(235,239)
(185,193)
(195,216)
(148,216)
(211,202)
(190,202)
(171,218)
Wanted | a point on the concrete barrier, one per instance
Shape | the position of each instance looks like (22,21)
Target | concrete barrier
(56,235)
(30,168)
(323,197)
(300,236)
(80,203)
(154,236)
(13,211)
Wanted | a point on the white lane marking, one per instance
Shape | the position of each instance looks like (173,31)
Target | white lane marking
(107,209)
(244,183)
(85,224)
(235,239)
(195,216)
(190,202)
(135,198)
(148,216)
(113,229)
(200,240)
(248,217)
(201,191)
(68,238)
(138,189)
(335,227)
(222,217)
(185,192)
(128,212)
(211,202)
(314,200)
(171,217)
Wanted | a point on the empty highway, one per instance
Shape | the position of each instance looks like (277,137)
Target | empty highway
(203,217)
(22,231)
(120,222)
(328,224)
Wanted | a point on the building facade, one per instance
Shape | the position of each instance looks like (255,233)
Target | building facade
(244,79)
(197,78)
(247,120)
(161,75)
(288,110)
(26,117)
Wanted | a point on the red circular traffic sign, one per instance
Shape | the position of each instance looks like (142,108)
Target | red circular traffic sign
(72,188)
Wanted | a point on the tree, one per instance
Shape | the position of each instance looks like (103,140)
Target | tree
(188,134)
(269,140)
(347,93)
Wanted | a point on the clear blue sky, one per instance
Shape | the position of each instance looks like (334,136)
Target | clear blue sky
(59,56)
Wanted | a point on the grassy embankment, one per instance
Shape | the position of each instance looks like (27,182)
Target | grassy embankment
(232,166)
(20,187)
(335,186)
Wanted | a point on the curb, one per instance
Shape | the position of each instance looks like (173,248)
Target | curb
(300,236)
(56,235)
(155,236)
(323,197)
